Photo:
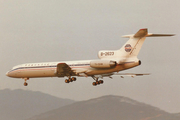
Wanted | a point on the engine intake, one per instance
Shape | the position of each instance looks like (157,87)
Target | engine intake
(103,64)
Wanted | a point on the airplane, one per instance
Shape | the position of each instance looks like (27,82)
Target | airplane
(110,62)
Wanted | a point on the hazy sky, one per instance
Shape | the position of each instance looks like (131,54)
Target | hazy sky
(58,30)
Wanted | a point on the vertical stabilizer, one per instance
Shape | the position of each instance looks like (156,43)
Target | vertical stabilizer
(131,48)
(134,44)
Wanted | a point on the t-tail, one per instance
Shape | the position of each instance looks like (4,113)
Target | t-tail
(132,47)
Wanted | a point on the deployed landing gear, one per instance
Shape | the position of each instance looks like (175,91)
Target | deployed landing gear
(70,79)
(25,83)
(66,81)
(97,82)
(73,79)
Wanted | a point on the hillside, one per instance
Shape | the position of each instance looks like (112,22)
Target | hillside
(21,104)
(107,108)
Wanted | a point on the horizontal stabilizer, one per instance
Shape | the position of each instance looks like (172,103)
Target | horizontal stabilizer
(127,36)
(144,33)
(159,35)
(141,33)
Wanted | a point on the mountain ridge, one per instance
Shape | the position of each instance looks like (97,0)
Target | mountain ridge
(22,104)
(105,108)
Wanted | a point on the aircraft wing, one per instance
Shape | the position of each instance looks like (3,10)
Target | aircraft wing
(122,75)
(64,70)
(130,74)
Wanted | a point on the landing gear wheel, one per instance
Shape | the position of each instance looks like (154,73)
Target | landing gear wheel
(70,80)
(94,84)
(73,79)
(66,81)
(25,84)
(97,82)
(101,81)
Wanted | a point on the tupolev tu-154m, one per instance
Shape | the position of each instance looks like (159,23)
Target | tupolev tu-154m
(110,62)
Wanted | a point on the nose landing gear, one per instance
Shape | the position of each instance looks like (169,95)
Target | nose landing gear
(25,83)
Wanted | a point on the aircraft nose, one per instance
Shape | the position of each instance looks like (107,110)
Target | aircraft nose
(7,73)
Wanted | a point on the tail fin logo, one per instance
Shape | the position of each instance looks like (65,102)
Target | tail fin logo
(128,47)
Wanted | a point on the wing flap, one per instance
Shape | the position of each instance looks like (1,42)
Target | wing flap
(64,70)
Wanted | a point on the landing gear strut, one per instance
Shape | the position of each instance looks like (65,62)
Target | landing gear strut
(98,82)
(25,83)
(70,79)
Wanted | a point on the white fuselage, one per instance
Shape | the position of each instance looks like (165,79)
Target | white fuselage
(110,61)
(48,69)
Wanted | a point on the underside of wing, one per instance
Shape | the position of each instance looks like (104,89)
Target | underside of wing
(120,74)
(131,74)
(64,70)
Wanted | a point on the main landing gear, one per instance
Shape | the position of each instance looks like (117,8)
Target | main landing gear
(98,82)
(25,83)
(70,80)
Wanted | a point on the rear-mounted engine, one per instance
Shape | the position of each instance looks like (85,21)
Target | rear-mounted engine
(103,64)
